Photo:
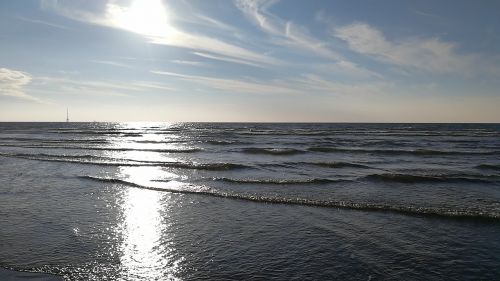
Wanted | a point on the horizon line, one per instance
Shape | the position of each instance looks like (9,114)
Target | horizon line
(266,122)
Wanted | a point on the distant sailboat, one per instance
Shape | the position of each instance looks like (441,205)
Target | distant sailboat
(67,115)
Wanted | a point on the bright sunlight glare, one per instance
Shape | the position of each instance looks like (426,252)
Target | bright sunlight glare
(146,17)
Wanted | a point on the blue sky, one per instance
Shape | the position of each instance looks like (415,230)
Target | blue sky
(242,60)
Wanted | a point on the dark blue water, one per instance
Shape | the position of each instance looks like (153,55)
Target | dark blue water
(158,201)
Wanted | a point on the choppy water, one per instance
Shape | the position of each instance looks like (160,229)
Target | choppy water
(150,201)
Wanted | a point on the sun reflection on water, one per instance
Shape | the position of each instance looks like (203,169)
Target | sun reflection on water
(145,252)
(145,249)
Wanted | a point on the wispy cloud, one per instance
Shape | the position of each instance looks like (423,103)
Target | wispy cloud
(99,87)
(286,33)
(427,14)
(188,62)
(228,59)
(429,54)
(112,63)
(306,84)
(213,22)
(85,11)
(346,69)
(235,85)
(203,43)
(318,83)
(156,28)
(13,82)
(35,21)
(203,21)
(189,12)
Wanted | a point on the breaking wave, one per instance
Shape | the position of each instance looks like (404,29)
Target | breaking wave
(363,206)
(422,152)
(407,178)
(272,151)
(277,181)
(340,165)
(161,150)
(489,167)
(108,161)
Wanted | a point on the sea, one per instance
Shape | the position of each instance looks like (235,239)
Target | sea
(251,201)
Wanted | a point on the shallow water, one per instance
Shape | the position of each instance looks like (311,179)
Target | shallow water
(157,201)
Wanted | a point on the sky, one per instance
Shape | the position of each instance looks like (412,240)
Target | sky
(255,61)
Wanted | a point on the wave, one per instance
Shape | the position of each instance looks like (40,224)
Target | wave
(113,180)
(160,142)
(163,150)
(276,133)
(340,165)
(78,159)
(422,152)
(93,141)
(489,167)
(40,140)
(326,149)
(277,181)
(107,132)
(109,161)
(339,204)
(207,166)
(272,151)
(220,142)
(63,156)
(131,134)
(463,141)
(407,178)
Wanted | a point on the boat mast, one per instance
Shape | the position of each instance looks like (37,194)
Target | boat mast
(67,115)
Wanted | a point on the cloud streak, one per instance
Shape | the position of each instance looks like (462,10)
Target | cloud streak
(13,82)
(428,54)
(306,84)
(317,83)
(285,33)
(188,62)
(112,63)
(35,21)
(98,87)
(196,42)
(235,85)
(157,29)
(226,59)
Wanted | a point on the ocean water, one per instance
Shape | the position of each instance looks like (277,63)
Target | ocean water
(225,201)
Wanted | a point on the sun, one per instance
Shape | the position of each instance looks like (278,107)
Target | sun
(146,17)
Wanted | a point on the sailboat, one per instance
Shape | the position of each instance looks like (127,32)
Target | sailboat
(67,115)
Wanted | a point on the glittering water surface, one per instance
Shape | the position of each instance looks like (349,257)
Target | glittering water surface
(157,201)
